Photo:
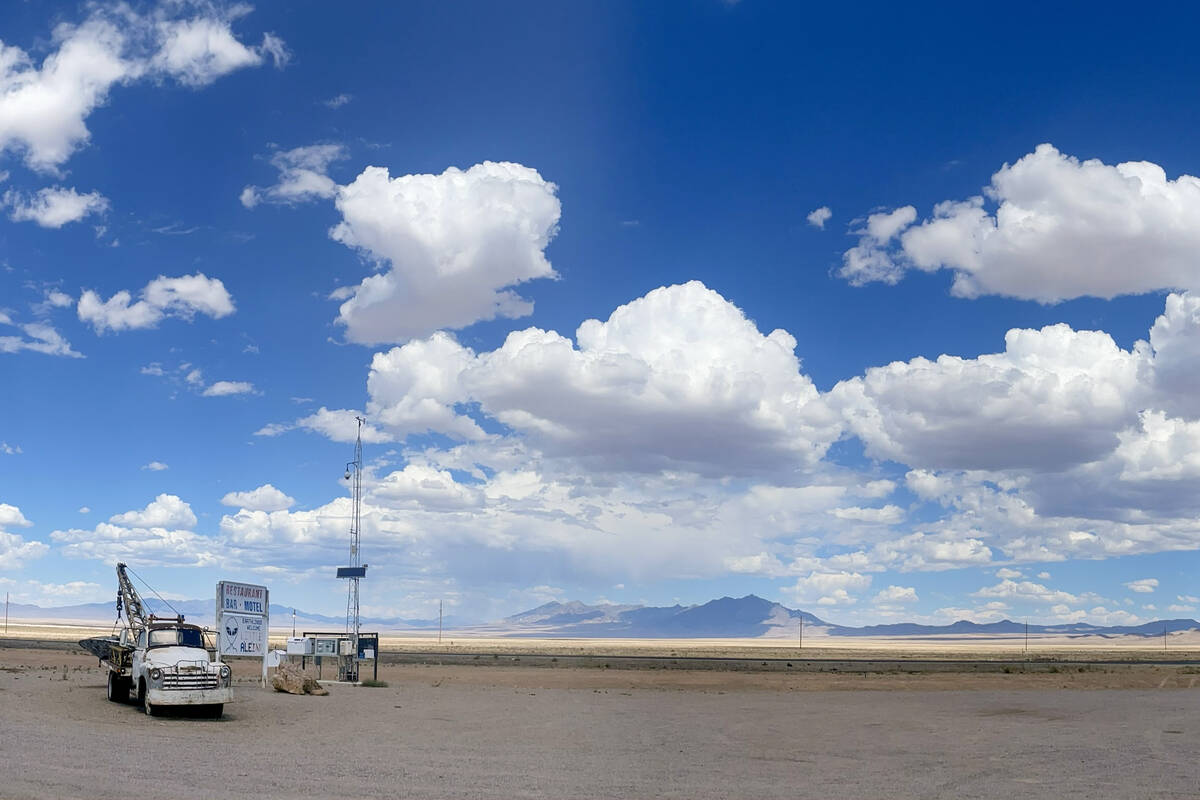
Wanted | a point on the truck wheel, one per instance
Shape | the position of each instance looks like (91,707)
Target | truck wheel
(118,688)
(149,707)
(142,699)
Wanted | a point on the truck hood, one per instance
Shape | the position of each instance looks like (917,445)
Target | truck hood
(172,656)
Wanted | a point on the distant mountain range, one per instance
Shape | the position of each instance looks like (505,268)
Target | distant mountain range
(727,617)
(752,616)
(202,612)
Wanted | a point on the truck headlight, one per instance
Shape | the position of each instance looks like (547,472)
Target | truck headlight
(156,674)
(225,674)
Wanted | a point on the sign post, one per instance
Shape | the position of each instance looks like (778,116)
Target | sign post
(243,622)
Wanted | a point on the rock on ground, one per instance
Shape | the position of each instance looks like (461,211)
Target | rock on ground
(289,678)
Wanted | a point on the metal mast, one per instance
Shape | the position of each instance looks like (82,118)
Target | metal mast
(135,610)
(356,571)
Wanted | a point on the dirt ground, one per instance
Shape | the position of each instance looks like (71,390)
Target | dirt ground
(515,732)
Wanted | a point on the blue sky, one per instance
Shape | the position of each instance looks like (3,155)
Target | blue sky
(880,314)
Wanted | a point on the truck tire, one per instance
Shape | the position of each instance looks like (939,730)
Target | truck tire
(118,688)
(143,699)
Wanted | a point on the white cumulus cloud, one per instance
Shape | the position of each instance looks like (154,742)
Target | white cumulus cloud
(264,498)
(1053,398)
(897,594)
(819,216)
(887,515)
(303,176)
(227,388)
(1026,591)
(199,50)
(829,588)
(15,552)
(44,107)
(165,511)
(678,379)
(36,337)
(53,207)
(11,517)
(1143,585)
(453,245)
(158,535)
(180,298)
(870,260)
(1049,228)
(56,594)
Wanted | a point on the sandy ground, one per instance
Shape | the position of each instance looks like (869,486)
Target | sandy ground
(516,732)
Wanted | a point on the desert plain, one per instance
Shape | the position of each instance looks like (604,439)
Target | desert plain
(517,718)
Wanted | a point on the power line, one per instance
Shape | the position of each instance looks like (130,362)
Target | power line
(156,594)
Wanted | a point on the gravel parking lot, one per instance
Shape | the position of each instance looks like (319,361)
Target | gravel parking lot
(512,732)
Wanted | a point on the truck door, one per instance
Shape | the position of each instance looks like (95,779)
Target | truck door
(138,656)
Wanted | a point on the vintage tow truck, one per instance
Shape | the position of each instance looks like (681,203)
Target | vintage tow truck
(162,659)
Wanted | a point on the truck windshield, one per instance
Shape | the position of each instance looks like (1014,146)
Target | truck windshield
(184,637)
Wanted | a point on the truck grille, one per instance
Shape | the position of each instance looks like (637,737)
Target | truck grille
(196,680)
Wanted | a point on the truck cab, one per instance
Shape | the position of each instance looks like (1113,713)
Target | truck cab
(170,667)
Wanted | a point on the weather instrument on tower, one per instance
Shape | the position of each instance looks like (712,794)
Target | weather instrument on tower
(348,670)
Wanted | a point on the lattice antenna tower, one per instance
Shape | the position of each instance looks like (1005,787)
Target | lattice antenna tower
(357,570)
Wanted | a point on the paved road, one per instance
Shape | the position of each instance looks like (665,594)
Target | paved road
(429,735)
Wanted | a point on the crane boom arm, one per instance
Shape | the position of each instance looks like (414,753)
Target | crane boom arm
(135,611)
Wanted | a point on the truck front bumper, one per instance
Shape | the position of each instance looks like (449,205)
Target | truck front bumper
(189,697)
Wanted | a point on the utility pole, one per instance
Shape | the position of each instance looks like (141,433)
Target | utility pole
(801,632)
(439,621)
(293,623)
(1164,636)
(1026,636)
(6,613)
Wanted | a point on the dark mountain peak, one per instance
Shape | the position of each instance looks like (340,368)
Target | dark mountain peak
(555,612)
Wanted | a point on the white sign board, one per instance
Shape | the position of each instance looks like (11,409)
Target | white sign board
(242,598)
(243,635)
(242,621)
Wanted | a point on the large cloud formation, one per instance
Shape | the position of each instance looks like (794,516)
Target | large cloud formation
(677,420)
(453,246)
(678,379)
(1055,397)
(159,534)
(576,461)
(44,108)
(1048,228)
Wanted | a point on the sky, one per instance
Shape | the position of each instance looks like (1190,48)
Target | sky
(880,313)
